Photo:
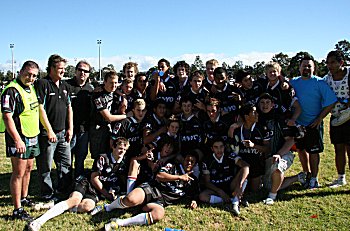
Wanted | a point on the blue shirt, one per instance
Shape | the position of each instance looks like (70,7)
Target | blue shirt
(313,95)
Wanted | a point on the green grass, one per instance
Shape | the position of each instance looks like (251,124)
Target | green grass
(296,208)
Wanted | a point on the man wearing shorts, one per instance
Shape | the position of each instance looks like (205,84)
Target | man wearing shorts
(316,100)
(20,117)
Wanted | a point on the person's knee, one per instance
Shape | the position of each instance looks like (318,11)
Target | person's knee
(157,214)
(85,206)
(203,196)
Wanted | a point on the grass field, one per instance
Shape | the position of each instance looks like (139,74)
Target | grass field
(296,208)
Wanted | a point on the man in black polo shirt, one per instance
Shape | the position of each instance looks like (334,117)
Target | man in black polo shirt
(81,91)
(57,115)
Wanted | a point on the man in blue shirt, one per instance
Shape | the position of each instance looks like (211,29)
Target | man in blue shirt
(316,100)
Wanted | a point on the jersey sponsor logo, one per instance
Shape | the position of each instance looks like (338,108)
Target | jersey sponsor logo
(34,105)
(230,108)
(168,99)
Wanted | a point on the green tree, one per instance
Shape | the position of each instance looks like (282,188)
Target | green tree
(2,76)
(238,65)
(258,69)
(198,64)
(283,60)
(70,71)
(9,76)
(344,46)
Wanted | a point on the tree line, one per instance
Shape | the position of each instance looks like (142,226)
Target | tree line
(290,65)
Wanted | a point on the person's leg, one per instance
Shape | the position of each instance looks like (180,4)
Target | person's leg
(26,177)
(304,160)
(153,213)
(63,163)
(134,198)
(209,196)
(314,164)
(80,151)
(340,159)
(255,183)
(59,208)
(348,153)
(16,181)
(86,205)
(44,165)
(132,175)
(277,179)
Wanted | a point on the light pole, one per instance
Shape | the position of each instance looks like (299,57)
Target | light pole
(12,45)
(99,56)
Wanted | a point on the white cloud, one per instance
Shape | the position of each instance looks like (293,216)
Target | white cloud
(145,62)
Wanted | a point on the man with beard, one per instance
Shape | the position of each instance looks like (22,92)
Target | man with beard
(316,100)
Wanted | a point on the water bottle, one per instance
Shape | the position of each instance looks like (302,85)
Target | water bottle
(170,229)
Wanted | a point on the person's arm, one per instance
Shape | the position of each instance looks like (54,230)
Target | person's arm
(297,111)
(95,181)
(12,130)
(149,137)
(265,148)
(154,86)
(69,131)
(45,122)
(323,114)
(165,177)
(109,117)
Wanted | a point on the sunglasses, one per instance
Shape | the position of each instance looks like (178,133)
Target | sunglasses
(83,70)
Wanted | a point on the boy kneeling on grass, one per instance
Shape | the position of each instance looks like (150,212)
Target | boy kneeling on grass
(173,182)
(105,180)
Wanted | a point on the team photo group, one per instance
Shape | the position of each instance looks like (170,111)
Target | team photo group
(168,136)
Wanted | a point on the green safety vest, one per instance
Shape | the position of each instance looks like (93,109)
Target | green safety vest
(29,118)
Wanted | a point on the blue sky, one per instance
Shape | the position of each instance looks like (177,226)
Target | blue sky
(246,30)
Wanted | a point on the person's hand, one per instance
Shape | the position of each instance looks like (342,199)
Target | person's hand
(20,147)
(248,143)
(193,205)
(276,158)
(316,123)
(162,87)
(186,177)
(291,122)
(51,136)
(200,105)
(69,135)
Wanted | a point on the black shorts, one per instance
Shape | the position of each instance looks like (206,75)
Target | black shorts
(340,134)
(312,142)
(83,186)
(256,165)
(99,140)
(152,194)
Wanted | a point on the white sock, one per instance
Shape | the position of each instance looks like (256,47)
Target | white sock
(139,219)
(272,195)
(130,184)
(116,204)
(215,199)
(53,212)
(341,176)
(244,185)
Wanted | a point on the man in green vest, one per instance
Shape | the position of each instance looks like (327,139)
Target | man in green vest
(20,121)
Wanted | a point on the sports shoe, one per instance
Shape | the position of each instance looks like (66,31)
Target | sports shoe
(27,202)
(244,203)
(34,226)
(313,183)
(338,183)
(41,206)
(112,225)
(233,208)
(304,179)
(342,118)
(268,201)
(96,210)
(21,214)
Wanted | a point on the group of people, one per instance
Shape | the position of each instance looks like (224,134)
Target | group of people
(158,137)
